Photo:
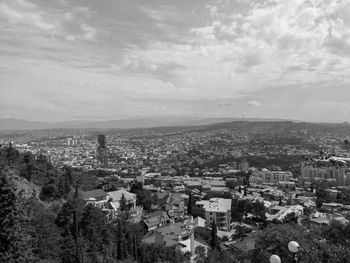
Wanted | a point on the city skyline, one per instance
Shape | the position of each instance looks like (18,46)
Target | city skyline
(108,60)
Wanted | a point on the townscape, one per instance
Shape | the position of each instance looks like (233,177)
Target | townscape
(227,192)
(163,131)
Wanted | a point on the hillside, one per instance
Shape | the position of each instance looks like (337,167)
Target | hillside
(18,124)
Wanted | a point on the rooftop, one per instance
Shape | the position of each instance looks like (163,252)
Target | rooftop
(92,194)
(216,205)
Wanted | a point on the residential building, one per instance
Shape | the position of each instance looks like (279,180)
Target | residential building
(333,175)
(97,197)
(218,210)
(115,197)
(156,219)
(177,234)
(272,177)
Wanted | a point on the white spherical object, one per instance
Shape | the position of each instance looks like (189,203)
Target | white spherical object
(293,246)
(275,259)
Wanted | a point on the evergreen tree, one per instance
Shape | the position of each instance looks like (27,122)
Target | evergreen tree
(189,205)
(48,238)
(135,253)
(68,249)
(92,227)
(214,243)
(16,242)
(7,218)
(121,252)
(123,203)
(236,210)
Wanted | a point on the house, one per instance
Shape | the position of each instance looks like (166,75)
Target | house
(330,207)
(193,185)
(318,224)
(280,213)
(240,249)
(156,219)
(176,203)
(97,197)
(177,234)
(218,210)
(115,197)
(153,237)
(198,221)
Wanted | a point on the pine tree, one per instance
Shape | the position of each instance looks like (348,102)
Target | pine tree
(189,205)
(135,247)
(61,187)
(121,253)
(214,243)
(123,203)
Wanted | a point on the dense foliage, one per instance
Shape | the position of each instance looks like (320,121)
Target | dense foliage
(34,230)
(314,248)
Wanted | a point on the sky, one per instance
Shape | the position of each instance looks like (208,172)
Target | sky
(118,59)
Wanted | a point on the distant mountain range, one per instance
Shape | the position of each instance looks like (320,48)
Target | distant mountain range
(18,124)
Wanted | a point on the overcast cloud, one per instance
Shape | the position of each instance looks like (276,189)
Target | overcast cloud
(113,59)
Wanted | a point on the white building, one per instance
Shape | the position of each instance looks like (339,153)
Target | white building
(218,210)
(115,197)
(273,177)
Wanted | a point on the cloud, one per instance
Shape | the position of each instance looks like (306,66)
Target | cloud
(26,14)
(129,58)
(87,33)
(90,32)
(254,103)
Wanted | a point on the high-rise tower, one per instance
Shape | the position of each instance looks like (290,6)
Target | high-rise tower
(101,141)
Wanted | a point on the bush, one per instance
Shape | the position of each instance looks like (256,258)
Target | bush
(49,192)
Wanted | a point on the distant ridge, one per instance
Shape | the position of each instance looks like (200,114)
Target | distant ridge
(18,124)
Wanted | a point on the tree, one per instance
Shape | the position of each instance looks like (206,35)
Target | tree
(247,177)
(274,239)
(121,248)
(144,197)
(312,187)
(200,254)
(236,213)
(241,230)
(214,243)
(225,239)
(48,238)
(336,233)
(123,203)
(68,249)
(189,205)
(91,225)
(259,209)
(7,218)
(16,241)
(49,192)
(322,197)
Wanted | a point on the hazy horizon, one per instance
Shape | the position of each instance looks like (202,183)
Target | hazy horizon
(113,60)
